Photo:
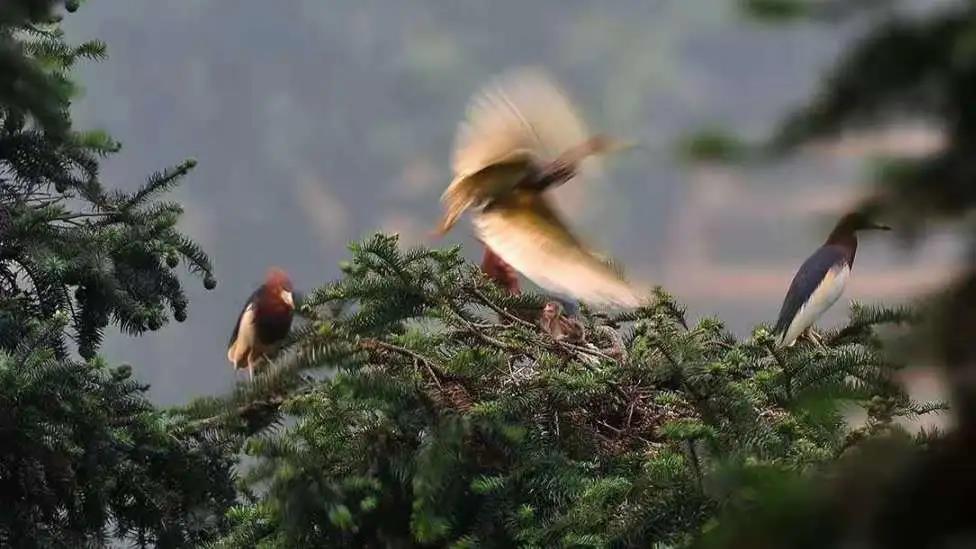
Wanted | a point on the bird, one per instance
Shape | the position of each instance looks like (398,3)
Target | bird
(522,137)
(821,279)
(561,326)
(263,323)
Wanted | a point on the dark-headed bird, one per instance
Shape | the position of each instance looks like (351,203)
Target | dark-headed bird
(263,323)
(821,280)
(522,137)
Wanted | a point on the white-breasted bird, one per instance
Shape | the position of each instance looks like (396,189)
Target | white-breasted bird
(263,323)
(821,280)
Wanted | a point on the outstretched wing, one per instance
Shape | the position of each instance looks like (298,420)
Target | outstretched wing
(522,109)
(815,287)
(483,185)
(515,126)
(525,231)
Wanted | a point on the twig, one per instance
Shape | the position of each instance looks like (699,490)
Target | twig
(611,427)
(484,299)
(404,351)
(269,403)
(673,362)
(484,337)
(630,413)
(585,350)
(79,215)
(720,343)
(694,464)
(787,374)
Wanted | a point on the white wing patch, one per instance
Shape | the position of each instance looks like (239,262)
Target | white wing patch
(246,339)
(826,294)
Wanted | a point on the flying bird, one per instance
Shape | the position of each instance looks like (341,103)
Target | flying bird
(821,280)
(263,323)
(522,137)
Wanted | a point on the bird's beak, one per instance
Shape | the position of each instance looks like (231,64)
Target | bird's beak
(288,298)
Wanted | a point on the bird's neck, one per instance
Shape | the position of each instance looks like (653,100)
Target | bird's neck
(847,241)
(271,304)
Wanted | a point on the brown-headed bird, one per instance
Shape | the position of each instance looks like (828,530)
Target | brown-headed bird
(522,137)
(263,323)
(821,280)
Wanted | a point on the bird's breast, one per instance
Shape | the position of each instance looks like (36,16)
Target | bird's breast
(273,324)
(826,293)
(830,288)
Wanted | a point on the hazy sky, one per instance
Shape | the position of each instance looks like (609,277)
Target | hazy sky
(318,122)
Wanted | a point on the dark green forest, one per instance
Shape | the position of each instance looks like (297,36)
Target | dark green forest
(414,405)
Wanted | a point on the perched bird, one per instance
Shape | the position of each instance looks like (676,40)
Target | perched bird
(821,280)
(522,137)
(560,326)
(263,323)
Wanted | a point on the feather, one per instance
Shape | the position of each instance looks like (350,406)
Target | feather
(263,322)
(500,272)
(247,304)
(244,339)
(817,285)
(484,185)
(520,110)
(524,230)
(514,127)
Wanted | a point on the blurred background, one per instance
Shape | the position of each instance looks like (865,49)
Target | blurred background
(316,123)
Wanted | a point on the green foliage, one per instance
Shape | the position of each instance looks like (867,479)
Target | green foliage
(67,245)
(909,65)
(778,11)
(714,146)
(450,421)
(84,456)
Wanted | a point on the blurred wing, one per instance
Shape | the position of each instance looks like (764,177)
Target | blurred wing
(491,181)
(520,110)
(528,234)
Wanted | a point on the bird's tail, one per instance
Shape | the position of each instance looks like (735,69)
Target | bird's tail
(599,144)
(457,198)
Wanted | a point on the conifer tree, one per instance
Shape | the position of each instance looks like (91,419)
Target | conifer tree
(84,456)
(910,65)
(446,420)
